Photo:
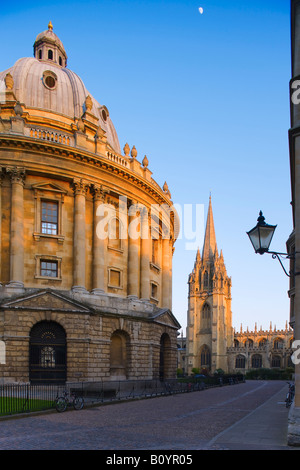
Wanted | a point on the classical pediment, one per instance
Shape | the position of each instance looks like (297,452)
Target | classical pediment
(49,187)
(166,317)
(45,300)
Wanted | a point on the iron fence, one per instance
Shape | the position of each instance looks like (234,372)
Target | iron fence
(26,398)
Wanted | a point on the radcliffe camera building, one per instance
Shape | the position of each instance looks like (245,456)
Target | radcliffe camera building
(75,305)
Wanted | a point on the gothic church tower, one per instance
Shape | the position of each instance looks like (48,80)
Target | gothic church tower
(209,322)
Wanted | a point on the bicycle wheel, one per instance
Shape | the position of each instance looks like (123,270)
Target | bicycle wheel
(61,404)
(78,403)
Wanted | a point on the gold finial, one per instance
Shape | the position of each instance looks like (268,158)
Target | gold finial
(50,26)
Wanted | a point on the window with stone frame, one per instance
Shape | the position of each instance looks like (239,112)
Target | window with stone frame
(115,278)
(114,234)
(240,362)
(49,217)
(205,357)
(49,268)
(154,291)
(48,200)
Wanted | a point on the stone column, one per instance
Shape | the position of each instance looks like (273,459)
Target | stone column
(17,176)
(165,301)
(80,189)
(133,252)
(145,255)
(172,249)
(99,244)
(1,179)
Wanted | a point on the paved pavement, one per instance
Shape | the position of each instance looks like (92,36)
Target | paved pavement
(247,416)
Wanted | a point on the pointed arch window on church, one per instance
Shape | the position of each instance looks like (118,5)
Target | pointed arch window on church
(262,343)
(205,357)
(278,343)
(276,361)
(206,317)
(205,280)
(256,361)
(240,362)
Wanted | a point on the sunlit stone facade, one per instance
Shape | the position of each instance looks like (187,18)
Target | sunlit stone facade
(211,342)
(87,235)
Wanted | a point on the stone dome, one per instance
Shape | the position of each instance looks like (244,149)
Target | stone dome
(43,83)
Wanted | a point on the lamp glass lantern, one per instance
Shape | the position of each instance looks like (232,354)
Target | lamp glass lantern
(261,235)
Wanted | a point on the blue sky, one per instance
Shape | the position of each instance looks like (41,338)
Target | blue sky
(206,98)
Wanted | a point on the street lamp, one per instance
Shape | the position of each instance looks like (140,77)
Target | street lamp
(261,236)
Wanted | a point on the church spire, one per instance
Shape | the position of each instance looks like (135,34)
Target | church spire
(210,244)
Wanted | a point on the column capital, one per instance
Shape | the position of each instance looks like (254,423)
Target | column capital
(17,174)
(80,186)
(99,192)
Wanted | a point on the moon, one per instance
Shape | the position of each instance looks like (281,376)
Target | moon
(201,10)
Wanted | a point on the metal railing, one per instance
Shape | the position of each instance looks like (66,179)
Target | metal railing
(26,398)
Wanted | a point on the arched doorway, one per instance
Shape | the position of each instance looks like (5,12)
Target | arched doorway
(164,356)
(205,357)
(119,355)
(47,353)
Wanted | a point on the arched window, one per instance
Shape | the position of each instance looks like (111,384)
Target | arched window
(40,54)
(256,361)
(205,280)
(276,361)
(278,343)
(205,357)
(240,362)
(262,343)
(206,317)
(50,54)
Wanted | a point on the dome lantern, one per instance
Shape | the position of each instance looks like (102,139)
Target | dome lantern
(49,48)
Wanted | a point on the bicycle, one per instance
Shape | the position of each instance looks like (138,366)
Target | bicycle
(290,395)
(62,403)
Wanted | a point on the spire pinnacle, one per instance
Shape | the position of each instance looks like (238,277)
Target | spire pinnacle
(210,244)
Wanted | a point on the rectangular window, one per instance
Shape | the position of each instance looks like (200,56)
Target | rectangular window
(154,291)
(115,278)
(155,251)
(49,219)
(49,268)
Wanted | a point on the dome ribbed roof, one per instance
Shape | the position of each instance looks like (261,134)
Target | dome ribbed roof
(65,96)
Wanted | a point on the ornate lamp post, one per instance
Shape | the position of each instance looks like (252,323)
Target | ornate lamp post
(261,236)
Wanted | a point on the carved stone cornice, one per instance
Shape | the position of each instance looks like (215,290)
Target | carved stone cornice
(64,151)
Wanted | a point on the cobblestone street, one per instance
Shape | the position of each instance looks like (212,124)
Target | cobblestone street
(189,421)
